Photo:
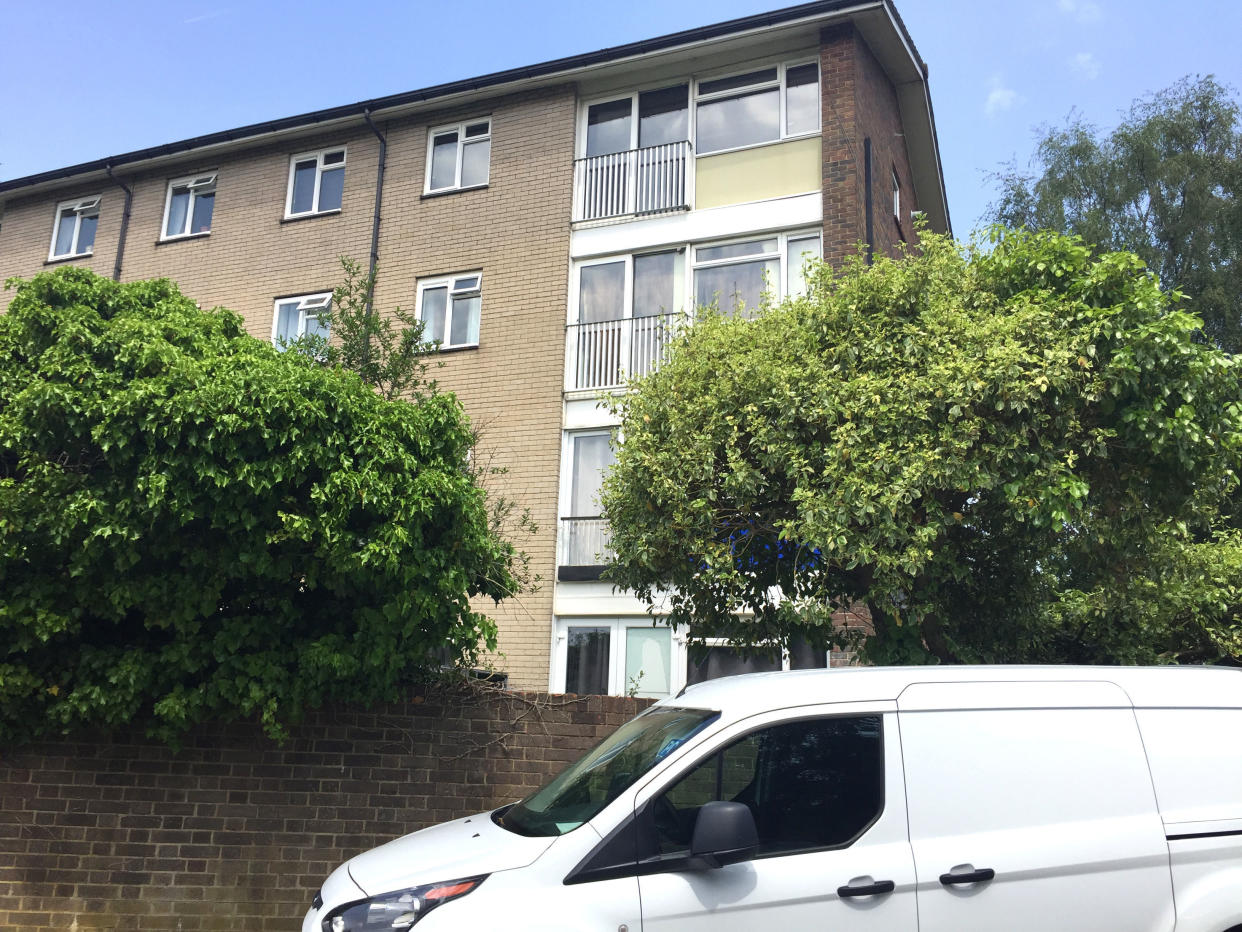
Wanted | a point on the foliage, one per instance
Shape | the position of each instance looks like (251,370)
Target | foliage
(386,351)
(985,446)
(196,526)
(1166,184)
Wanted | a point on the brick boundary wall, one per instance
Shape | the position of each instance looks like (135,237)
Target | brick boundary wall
(235,831)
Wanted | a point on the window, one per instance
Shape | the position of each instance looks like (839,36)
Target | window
(188,207)
(316,183)
(736,276)
(626,312)
(896,197)
(616,656)
(638,121)
(449,309)
(584,534)
(810,785)
(757,107)
(73,233)
(459,156)
(299,316)
(718,657)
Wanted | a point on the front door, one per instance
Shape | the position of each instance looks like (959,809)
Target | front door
(828,805)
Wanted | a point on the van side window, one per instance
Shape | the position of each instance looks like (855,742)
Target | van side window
(811,784)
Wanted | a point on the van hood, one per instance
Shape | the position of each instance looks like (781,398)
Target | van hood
(462,848)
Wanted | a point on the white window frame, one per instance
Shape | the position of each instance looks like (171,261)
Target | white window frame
(82,207)
(783,284)
(308,304)
(460,129)
(896,197)
(450,281)
(782,70)
(318,156)
(617,625)
(198,184)
(567,463)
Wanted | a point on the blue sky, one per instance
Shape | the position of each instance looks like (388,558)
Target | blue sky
(83,80)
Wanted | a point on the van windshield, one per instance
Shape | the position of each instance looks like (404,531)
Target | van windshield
(604,773)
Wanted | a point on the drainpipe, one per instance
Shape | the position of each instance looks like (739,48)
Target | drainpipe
(870,206)
(129,203)
(375,222)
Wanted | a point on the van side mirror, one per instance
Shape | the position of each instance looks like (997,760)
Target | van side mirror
(724,833)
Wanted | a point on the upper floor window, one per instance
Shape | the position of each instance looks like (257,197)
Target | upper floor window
(638,121)
(188,206)
(896,197)
(757,107)
(300,316)
(316,182)
(449,309)
(73,233)
(737,275)
(459,156)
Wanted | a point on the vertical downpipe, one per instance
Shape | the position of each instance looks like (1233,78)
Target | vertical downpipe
(375,224)
(869,206)
(129,203)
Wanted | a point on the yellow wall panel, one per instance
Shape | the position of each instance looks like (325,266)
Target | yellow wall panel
(757,174)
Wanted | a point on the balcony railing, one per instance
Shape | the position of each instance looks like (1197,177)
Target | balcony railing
(639,181)
(606,353)
(585,542)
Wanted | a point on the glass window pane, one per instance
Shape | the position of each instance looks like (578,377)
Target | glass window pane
(465,326)
(435,302)
(608,127)
(802,99)
(648,658)
(333,158)
(654,282)
(64,232)
(735,286)
(739,121)
(444,161)
(177,207)
(331,187)
(664,116)
(474,162)
(586,662)
(303,187)
(203,205)
(710,663)
(592,455)
(287,321)
(800,250)
(767,75)
(601,294)
(757,247)
(86,233)
(477,129)
(315,327)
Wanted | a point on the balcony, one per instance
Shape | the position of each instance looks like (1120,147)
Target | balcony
(604,354)
(585,548)
(652,180)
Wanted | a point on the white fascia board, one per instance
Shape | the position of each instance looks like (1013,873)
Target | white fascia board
(697,226)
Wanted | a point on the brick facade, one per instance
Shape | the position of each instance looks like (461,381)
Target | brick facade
(235,832)
(859,103)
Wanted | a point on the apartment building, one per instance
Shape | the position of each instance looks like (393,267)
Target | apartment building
(554,225)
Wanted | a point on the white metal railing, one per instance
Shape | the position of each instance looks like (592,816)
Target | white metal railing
(637,181)
(606,353)
(585,542)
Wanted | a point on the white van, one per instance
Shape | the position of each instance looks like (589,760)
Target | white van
(950,799)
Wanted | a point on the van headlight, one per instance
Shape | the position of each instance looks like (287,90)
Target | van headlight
(398,910)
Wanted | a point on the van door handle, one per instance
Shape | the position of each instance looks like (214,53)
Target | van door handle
(972,876)
(875,888)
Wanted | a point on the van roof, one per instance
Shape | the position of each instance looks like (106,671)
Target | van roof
(1147,687)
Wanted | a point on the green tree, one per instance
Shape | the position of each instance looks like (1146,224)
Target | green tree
(1166,184)
(983,446)
(194,525)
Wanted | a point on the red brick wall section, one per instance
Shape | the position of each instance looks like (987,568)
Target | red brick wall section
(236,832)
(858,102)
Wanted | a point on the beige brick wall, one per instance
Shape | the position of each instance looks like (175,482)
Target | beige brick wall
(516,230)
